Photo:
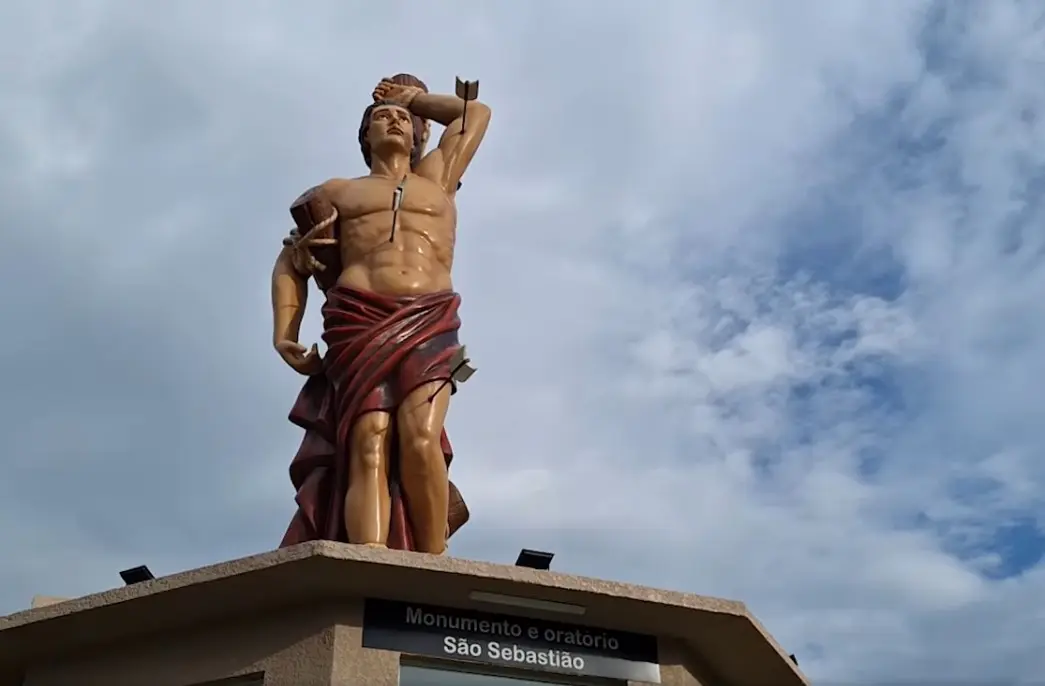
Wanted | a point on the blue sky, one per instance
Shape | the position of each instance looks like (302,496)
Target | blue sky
(754,289)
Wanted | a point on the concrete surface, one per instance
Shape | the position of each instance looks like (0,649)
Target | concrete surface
(295,614)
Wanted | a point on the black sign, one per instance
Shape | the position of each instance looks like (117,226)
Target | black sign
(510,641)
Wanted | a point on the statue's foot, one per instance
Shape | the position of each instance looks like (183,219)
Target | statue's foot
(375,545)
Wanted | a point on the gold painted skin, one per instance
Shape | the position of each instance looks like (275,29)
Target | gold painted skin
(414,259)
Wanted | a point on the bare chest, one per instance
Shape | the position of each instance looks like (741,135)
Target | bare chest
(415,215)
(415,196)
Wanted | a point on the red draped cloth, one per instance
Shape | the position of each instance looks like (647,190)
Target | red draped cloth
(379,349)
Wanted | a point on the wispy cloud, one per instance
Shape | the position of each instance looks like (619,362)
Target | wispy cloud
(753,289)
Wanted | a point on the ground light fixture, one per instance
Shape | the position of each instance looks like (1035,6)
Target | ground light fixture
(136,575)
(534,559)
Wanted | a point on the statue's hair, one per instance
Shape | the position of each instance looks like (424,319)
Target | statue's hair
(417,122)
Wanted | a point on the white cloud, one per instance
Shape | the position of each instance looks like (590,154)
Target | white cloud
(753,290)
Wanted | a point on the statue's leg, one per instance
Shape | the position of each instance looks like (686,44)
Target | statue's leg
(368,505)
(422,465)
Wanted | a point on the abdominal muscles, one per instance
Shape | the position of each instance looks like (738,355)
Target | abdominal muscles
(407,263)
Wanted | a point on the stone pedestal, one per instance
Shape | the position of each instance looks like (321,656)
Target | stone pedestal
(301,617)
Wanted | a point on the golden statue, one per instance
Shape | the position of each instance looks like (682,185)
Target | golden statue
(373,467)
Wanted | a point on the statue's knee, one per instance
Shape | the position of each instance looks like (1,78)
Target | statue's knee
(422,445)
(370,453)
(370,443)
(424,455)
(370,460)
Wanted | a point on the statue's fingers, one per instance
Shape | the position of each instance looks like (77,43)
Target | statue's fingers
(319,242)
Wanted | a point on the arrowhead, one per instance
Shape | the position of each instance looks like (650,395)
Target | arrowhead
(459,363)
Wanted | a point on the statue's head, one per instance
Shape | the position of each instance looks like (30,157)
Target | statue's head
(388,126)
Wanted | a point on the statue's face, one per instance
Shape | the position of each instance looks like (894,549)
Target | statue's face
(391,126)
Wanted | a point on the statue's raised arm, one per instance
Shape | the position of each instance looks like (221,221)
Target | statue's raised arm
(447,163)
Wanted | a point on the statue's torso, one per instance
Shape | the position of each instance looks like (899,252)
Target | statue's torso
(417,257)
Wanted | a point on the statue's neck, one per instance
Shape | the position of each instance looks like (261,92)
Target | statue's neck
(394,168)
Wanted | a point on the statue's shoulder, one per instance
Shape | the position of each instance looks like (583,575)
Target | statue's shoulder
(328,190)
(317,203)
(310,211)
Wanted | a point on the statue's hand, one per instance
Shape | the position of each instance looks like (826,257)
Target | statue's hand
(397,93)
(304,261)
(305,361)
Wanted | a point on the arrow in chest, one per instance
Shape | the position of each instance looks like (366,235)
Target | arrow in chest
(397,202)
